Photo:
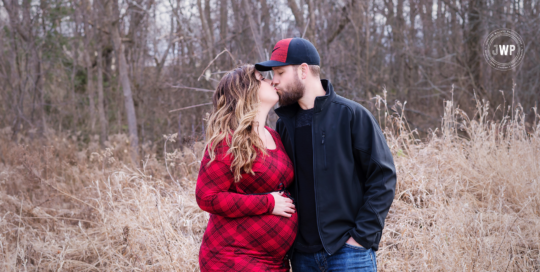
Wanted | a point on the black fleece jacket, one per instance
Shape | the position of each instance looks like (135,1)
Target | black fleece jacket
(354,172)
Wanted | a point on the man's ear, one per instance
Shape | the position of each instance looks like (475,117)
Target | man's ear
(303,70)
(299,71)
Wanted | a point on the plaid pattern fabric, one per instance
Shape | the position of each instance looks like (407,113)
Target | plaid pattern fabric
(242,234)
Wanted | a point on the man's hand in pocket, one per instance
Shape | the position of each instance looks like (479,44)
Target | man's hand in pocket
(352,242)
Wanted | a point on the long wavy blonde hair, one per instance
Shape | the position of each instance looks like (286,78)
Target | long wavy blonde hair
(236,104)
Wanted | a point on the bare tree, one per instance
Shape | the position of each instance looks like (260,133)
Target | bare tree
(474,34)
(113,13)
(88,36)
(99,73)
(68,70)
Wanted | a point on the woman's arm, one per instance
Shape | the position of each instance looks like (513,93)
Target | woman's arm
(213,195)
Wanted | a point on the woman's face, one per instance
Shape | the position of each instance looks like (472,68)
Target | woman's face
(267,94)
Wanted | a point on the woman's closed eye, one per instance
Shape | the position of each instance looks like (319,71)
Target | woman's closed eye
(263,79)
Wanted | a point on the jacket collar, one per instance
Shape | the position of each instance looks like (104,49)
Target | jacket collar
(321,102)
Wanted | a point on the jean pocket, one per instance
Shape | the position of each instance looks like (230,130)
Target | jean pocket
(355,247)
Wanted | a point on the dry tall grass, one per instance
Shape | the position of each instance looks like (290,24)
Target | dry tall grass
(466,200)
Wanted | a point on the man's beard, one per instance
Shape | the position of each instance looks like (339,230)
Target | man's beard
(292,94)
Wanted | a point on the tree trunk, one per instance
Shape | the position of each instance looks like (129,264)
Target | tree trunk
(473,44)
(223,16)
(310,30)
(42,127)
(223,28)
(397,22)
(209,22)
(101,106)
(266,35)
(254,29)
(124,80)
(426,7)
(88,35)
(207,32)
(99,73)
(298,15)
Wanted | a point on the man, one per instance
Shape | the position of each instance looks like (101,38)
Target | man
(344,171)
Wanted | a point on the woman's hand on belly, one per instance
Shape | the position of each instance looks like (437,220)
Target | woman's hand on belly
(283,205)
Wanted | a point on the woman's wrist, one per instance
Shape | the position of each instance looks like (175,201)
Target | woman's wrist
(271,202)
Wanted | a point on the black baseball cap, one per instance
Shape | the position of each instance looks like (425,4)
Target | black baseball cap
(291,51)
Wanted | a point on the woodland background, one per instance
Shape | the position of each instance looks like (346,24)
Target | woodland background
(101,124)
(104,67)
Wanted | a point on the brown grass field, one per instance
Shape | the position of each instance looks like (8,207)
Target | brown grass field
(466,200)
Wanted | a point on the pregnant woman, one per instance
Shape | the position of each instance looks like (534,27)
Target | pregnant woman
(242,180)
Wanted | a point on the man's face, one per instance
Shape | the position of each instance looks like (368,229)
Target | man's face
(288,85)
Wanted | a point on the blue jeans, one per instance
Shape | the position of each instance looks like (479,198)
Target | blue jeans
(347,258)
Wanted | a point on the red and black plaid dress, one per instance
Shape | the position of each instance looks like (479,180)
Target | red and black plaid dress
(242,234)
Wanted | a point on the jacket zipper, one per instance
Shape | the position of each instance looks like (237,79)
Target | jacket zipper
(324,149)
(289,254)
(315,182)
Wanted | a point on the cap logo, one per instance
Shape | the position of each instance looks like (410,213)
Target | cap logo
(280,50)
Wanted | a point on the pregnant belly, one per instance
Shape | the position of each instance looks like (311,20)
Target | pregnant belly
(272,234)
(264,236)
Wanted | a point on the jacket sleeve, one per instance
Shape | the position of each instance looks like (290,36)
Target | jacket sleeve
(374,160)
(213,195)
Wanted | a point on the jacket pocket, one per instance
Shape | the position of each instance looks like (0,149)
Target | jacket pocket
(324,148)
